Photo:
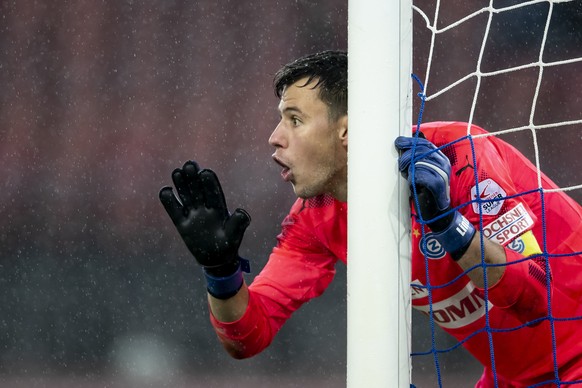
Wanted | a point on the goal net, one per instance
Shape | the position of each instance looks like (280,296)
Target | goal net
(514,68)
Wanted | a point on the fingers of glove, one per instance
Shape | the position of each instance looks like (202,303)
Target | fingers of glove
(406,158)
(437,159)
(173,207)
(212,192)
(403,146)
(404,162)
(237,223)
(187,184)
(404,143)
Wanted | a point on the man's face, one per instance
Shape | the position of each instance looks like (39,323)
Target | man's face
(311,148)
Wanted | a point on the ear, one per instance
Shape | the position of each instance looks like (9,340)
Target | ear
(343,130)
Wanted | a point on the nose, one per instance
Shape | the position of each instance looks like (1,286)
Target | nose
(277,138)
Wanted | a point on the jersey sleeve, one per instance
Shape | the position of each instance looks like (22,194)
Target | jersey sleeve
(482,187)
(299,268)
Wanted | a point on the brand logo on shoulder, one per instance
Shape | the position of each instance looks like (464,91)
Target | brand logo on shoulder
(491,195)
(508,226)
(466,166)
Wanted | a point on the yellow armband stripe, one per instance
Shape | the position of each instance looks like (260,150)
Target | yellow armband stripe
(526,244)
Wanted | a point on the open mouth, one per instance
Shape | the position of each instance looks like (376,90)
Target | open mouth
(286,172)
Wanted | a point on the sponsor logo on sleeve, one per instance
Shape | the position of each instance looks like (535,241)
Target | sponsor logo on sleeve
(417,290)
(491,196)
(463,308)
(434,250)
(509,225)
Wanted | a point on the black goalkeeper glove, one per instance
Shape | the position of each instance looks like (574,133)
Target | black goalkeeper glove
(432,170)
(210,232)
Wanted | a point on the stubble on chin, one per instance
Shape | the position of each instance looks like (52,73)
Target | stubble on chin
(305,192)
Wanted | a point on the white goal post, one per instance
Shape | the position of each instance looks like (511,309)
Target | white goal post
(379,109)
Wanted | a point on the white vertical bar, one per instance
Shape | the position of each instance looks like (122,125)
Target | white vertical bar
(379,83)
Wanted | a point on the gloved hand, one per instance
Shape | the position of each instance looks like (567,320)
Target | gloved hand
(431,178)
(209,231)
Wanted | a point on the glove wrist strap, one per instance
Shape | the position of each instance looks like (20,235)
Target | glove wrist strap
(224,287)
(456,238)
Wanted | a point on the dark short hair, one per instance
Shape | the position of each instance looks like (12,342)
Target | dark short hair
(329,69)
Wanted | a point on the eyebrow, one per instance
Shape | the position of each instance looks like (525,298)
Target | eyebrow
(291,110)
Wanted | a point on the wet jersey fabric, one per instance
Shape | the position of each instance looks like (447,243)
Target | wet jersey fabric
(498,190)
(487,176)
(301,266)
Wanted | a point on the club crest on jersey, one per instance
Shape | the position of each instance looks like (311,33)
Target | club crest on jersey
(517,245)
(492,196)
(434,250)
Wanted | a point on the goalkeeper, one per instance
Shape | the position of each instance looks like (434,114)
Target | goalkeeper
(463,220)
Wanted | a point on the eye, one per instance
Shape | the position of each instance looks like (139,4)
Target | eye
(295,121)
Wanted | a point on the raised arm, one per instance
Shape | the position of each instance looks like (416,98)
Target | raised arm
(212,235)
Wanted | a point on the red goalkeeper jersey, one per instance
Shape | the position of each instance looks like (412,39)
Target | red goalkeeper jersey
(488,179)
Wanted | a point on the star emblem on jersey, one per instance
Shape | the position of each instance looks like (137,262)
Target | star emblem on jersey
(416,233)
(491,197)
